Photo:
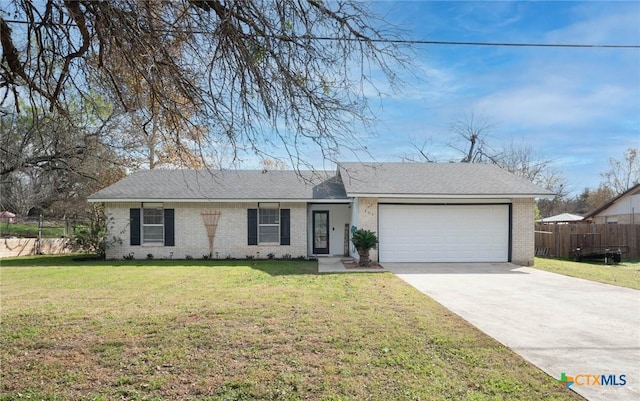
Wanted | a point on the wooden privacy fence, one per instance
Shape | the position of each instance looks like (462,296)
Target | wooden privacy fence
(560,240)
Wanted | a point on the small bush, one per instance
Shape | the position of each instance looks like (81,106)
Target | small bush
(286,256)
(149,256)
(92,238)
(188,257)
(364,239)
(249,257)
(128,257)
(271,255)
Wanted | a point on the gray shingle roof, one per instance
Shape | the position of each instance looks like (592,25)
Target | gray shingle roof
(228,184)
(434,179)
(379,179)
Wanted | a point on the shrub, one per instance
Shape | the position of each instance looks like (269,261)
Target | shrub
(364,239)
(92,238)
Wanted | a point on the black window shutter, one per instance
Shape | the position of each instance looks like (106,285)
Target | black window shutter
(285,227)
(169,228)
(134,219)
(252,226)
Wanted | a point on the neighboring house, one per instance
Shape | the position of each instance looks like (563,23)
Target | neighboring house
(562,218)
(421,212)
(623,209)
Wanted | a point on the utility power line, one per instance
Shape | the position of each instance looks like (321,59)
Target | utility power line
(415,41)
(455,43)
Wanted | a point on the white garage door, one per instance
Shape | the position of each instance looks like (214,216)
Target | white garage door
(443,233)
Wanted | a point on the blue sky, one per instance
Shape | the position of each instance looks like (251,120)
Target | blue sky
(577,107)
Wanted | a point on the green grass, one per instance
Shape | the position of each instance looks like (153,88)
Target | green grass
(241,330)
(30,230)
(624,274)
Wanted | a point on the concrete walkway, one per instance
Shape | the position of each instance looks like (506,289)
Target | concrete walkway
(332,264)
(558,323)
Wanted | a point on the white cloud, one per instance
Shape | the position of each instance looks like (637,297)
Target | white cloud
(551,105)
(599,23)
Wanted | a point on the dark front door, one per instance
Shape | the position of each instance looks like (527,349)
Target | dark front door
(320,232)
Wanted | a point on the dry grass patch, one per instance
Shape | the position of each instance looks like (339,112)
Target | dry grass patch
(242,331)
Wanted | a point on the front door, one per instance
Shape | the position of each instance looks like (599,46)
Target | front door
(320,232)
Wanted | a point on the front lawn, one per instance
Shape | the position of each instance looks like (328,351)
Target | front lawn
(624,274)
(241,330)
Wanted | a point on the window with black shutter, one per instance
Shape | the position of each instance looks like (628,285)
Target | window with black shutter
(134,223)
(268,224)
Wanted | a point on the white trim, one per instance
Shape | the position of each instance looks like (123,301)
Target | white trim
(153,206)
(450,196)
(328,201)
(316,200)
(212,200)
(443,201)
(269,206)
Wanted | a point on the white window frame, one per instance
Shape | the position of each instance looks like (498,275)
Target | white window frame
(148,207)
(268,206)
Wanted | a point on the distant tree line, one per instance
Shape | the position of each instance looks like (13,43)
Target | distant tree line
(622,174)
(470,139)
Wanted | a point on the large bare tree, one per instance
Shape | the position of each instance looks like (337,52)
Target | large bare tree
(46,158)
(470,138)
(255,74)
(623,174)
(525,161)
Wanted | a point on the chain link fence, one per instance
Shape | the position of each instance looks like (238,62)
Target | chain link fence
(39,227)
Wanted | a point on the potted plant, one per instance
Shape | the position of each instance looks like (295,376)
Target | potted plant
(364,241)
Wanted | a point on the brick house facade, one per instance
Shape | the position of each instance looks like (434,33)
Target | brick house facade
(483,211)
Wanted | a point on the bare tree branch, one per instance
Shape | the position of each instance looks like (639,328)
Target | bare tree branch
(473,131)
(247,76)
(623,174)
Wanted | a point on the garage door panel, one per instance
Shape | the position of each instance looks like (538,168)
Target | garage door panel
(444,233)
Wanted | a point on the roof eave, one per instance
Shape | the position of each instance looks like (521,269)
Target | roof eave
(214,200)
(450,196)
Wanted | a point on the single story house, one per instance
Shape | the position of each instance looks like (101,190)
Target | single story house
(622,209)
(421,212)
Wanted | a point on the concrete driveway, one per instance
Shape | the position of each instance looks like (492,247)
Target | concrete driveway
(558,323)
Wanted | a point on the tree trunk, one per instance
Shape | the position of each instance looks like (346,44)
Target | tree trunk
(364,257)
